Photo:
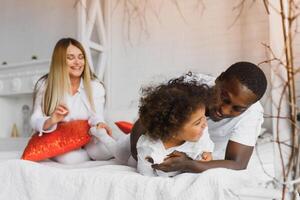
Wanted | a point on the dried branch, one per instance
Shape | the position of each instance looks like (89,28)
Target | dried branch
(266,4)
(240,8)
(175,2)
(289,17)
(200,6)
(136,12)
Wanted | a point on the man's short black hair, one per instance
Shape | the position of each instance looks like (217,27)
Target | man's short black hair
(249,75)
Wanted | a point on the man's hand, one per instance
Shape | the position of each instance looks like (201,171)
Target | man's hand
(236,157)
(174,162)
(106,127)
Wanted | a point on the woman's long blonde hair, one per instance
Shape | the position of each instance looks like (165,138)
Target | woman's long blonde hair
(58,80)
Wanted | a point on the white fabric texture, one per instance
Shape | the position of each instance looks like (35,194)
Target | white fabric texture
(73,157)
(120,149)
(146,147)
(243,129)
(93,180)
(28,180)
(78,104)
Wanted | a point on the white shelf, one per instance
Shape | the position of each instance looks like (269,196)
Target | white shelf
(20,78)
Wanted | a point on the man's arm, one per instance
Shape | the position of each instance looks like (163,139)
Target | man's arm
(137,131)
(237,157)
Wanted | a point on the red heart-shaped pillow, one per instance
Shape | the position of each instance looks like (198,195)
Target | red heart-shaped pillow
(67,137)
(125,127)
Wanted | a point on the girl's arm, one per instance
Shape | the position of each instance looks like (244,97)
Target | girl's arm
(206,147)
(144,164)
(206,144)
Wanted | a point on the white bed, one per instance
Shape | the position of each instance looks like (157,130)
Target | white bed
(109,180)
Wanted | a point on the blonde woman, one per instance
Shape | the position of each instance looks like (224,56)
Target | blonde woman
(70,91)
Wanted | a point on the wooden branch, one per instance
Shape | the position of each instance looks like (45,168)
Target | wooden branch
(266,4)
(175,2)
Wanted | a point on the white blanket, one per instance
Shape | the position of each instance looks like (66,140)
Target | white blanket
(107,180)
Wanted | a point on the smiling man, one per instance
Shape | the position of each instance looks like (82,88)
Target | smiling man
(234,120)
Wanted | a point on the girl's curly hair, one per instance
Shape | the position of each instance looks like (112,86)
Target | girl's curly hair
(165,108)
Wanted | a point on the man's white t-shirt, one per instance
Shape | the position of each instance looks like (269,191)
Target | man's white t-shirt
(243,129)
(146,147)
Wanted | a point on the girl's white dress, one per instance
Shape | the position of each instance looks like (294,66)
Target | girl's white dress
(146,147)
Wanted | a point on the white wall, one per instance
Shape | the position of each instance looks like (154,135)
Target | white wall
(32,27)
(206,43)
(11,113)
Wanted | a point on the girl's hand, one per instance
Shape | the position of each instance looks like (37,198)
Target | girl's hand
(59,113)
(106,127)
(206,156)
(149,159)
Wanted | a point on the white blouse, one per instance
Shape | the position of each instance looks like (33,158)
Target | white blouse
(77,104)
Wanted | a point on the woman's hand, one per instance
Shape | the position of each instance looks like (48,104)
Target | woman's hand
(206,156)
(106,127)
(59,113)
(175,161)
(57,116)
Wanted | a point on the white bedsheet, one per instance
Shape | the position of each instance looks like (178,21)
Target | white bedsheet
(107,180)
(21,179)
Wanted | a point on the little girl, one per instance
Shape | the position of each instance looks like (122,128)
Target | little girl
(173,115)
